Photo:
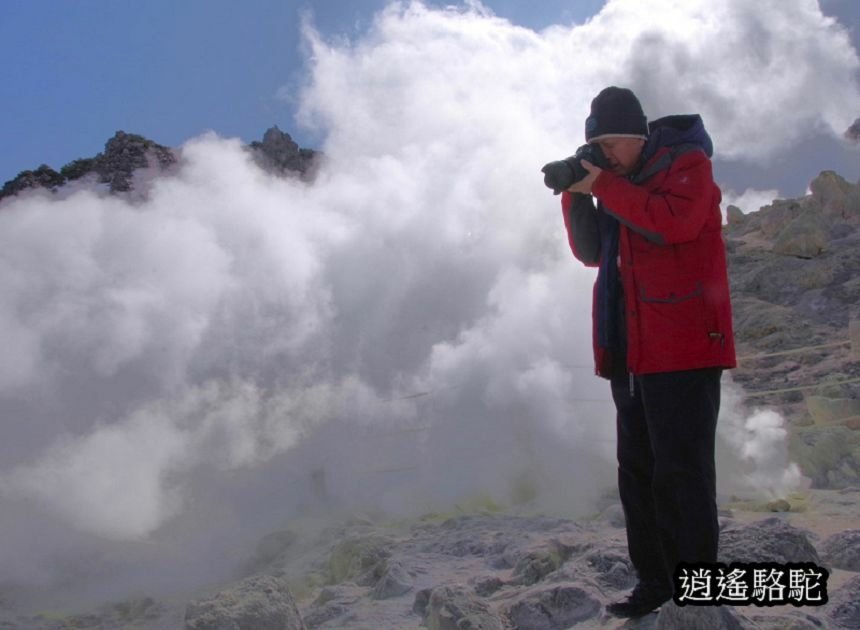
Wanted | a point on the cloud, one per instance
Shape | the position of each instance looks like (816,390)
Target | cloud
(763,75)
(750,200)
(415,310)
(759,442)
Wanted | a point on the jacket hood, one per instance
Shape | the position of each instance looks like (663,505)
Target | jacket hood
(679,129)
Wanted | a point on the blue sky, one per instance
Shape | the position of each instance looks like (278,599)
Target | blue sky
(75,72)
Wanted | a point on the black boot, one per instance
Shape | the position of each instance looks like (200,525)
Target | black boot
(641,601)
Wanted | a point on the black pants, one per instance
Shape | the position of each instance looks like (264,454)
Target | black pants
(666,474)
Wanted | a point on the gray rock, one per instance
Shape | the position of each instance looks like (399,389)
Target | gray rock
(547,608)
(805,237)
(770,540)
(844,607)
(790,621)
(422,600)
(613,569)
(674,617)
(842,550)
(455,608)
(256,603)
(734,215)
(838,198)
(535,564)
(324,613)
(486,586)
(774,218)
(395,581)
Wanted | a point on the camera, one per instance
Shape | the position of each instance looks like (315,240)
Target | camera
(562,174)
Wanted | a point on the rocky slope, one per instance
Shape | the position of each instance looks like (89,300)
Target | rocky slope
(795,276)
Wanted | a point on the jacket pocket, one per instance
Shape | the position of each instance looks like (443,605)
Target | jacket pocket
(671,297)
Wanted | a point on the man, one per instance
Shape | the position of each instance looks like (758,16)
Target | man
(662,327)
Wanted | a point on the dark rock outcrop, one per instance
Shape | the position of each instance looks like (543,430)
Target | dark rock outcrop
(278,153)
(42,177)
(124,154)
(127,153)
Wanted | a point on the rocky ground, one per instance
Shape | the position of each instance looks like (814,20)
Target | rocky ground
(493,570)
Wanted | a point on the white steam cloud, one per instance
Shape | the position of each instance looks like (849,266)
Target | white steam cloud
(415,309)
(749,200)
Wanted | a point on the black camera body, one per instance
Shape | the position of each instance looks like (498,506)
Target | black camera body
(563,174)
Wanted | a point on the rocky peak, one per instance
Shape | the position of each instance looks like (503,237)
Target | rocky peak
(802,227)
(126,153)
(279,153)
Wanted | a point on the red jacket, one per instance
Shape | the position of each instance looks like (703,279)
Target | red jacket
(672,262)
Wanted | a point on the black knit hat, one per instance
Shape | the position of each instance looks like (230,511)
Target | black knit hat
(616,112)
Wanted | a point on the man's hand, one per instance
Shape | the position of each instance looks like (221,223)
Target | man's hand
(584,185)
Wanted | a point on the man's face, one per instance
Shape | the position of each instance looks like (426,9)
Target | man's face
(622,153)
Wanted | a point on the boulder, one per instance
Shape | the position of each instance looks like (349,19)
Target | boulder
(260,602)
(674,617)
(734,215)
(487,585)
(842,550)
(537,563)
(769,540)
(805,236)
(790,621)
(844,607)
(456,608)
(775,217)
(548,608)
(839,199)
(395,581)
